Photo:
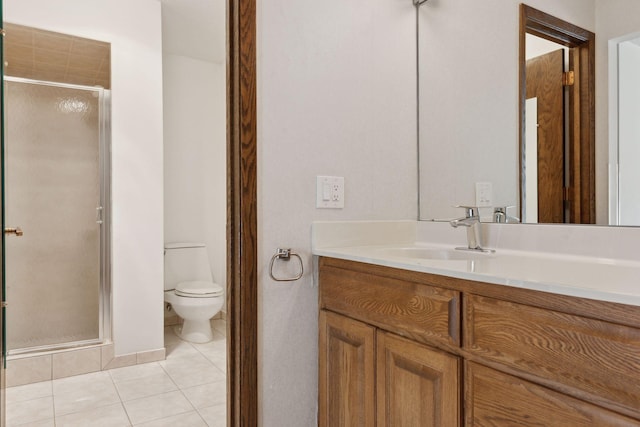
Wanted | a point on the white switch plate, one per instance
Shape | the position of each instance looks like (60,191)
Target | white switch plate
(330,192)
(484,194)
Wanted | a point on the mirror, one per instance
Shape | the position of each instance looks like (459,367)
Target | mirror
(556,76)
(469,114)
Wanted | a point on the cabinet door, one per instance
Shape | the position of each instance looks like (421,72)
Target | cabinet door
(346,372)
(416,385)
(496,399)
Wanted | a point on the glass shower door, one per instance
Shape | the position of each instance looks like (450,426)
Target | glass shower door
(53,182)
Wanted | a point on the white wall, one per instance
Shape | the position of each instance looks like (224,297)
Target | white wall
(629,133)
(536,46)
(133,29)
(194,156)
(615,18)
(469,98)
(336,96)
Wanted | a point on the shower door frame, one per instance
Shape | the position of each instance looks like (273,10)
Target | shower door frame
(103,216)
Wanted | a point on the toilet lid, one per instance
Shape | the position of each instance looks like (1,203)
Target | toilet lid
(198,289)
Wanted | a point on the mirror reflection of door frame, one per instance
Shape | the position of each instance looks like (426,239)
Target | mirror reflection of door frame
(581,43)
(242,237)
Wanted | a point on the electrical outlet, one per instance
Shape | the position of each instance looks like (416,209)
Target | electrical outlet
(329,192)
(336,192)
(484,194)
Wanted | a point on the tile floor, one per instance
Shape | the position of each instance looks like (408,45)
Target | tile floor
(187,389)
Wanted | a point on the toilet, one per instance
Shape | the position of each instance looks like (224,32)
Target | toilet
(189,288)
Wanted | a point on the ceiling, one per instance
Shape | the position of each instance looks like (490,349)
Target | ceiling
(194,28)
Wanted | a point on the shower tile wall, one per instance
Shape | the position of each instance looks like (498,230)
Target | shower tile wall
(45,55)
(52,191)
(27,369)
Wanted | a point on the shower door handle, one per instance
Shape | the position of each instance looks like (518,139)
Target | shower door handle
(14,230)
(99,215)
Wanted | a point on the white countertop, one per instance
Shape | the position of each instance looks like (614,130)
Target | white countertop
(593,277)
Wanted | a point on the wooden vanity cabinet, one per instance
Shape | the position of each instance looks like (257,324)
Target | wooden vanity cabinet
(494,398)
(369,377)
(592,359)
(402,348)
(414,309)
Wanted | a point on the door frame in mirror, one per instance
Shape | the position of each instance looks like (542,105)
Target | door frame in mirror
(581,44)
(242,237)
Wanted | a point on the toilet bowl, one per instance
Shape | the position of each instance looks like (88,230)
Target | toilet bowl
(190,290)
(196,302)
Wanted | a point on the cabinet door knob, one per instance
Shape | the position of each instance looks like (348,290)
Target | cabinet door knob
(14,230)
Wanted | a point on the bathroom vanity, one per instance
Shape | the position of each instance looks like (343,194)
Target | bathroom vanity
(411,342)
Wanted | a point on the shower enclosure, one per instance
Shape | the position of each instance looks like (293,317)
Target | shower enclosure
(56,190)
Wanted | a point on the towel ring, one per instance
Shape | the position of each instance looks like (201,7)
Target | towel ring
(285,255)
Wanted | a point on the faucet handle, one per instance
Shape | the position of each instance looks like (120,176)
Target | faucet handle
(502,209)
(470,211)
(500,214)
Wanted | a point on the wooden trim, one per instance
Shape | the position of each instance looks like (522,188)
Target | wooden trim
(549,27)
(587,125)
(242,237)
(582,105)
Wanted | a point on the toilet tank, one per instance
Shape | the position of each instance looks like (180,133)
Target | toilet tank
(185,262)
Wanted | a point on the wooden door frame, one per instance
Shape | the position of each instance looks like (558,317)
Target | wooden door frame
(242,238)
(582,185)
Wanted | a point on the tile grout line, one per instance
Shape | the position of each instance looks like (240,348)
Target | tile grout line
(213,365)
(205,352)
(124,408)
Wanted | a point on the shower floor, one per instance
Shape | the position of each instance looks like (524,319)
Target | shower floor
(187,389)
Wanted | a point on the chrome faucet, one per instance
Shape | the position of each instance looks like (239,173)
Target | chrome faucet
(500,215)
(471,221)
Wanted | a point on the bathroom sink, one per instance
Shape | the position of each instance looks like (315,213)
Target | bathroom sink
(435,254)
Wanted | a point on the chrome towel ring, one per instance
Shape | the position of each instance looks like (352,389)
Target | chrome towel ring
(285,255)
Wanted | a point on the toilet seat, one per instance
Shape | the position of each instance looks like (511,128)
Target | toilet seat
(198,289)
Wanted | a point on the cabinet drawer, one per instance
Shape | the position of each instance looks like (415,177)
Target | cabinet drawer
(422,312)
(493,398)
(591,359)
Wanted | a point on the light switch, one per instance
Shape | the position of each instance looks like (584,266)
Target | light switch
(326,191)
(330,192)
